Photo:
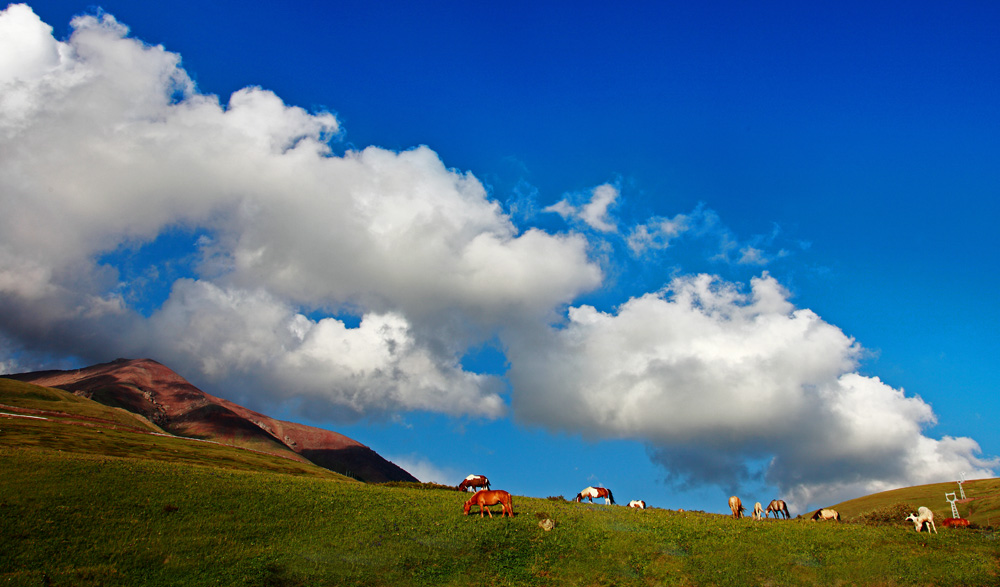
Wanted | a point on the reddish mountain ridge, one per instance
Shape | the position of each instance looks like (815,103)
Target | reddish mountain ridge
(152,390)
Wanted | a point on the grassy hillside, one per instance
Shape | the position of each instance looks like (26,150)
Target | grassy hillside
(90,505)
(65,405)
(47,418)
(981,506)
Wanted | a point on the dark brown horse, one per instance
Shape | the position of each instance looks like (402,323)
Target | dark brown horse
(474,481)
(487,498)
(592,492)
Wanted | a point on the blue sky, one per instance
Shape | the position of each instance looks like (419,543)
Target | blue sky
(676,250)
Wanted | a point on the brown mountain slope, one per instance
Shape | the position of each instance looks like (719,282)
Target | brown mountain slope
(152,390)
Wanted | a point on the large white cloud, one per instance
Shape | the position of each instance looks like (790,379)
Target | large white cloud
(713,377)
(107,145)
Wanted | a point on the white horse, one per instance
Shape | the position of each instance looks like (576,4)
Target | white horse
(637,503)
(826,514)
(923,516)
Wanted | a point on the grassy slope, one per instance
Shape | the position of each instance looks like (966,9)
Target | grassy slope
(77,425)
(166,511)
(47,399)
(982,506)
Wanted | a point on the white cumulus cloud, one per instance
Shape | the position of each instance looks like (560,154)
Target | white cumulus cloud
(712,377)
(106,145)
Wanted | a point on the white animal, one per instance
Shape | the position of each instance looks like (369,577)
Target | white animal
(637,503)
(923,516)
(758,510)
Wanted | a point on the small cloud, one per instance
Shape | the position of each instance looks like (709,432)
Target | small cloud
(593,213)
(752,256)
(657,233)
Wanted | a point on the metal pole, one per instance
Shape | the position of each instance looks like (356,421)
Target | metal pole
(954,509)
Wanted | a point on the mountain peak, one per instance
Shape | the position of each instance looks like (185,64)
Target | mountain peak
(151,389)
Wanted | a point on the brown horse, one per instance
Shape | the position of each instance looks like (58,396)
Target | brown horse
(737,506)
(777,506)
(474,481)
(955,523)
(486,498)
(592,492)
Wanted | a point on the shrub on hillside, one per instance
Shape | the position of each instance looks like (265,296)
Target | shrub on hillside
(890,515)
(412,485)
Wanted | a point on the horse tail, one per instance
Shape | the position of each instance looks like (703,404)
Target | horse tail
(611,498)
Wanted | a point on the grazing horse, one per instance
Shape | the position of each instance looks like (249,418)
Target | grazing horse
(923,518)
(486,498)
(955,523)
(592,492)
(637,503)
(777,506)
(757,511)
(473,481)
(737,506)
(826,514)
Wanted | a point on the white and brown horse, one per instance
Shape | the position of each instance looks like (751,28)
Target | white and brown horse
(778,506)
(826,514)
(637,503)
(737,506)
(592,492)
(474,481)
(758,511)
(486,498)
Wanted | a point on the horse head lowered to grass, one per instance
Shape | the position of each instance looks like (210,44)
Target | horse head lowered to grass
(737,506)
(778,507)
(826,514)
(486,498)
(592,492)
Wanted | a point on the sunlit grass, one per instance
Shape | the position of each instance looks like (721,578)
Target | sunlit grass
(91,505)
(75,519)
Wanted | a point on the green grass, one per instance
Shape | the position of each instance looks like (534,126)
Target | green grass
(47,399)
(95,506)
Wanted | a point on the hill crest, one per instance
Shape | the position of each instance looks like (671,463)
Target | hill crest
(155,392)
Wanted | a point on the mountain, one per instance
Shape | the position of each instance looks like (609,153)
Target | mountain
(152,390)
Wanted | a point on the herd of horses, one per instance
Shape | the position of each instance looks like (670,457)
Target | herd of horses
(485,497)
(779,508)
